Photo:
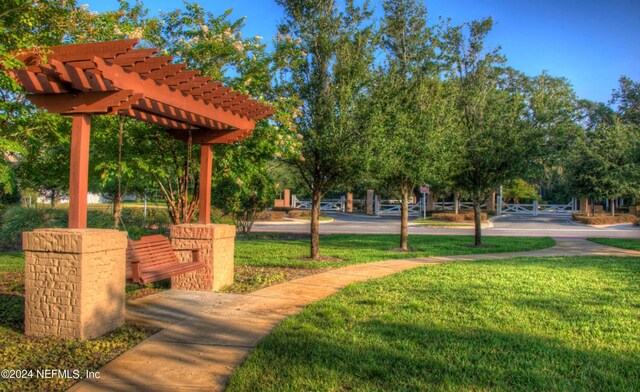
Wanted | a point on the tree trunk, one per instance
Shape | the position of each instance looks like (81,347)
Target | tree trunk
(315,224)
(404,220)
(477,222)
(53,198)
(613,207)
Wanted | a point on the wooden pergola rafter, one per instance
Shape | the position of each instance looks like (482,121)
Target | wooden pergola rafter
(114,77)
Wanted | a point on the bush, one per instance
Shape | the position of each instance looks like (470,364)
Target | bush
(604,219)
(299,214)
(17,219)
(463,217)
(268,216)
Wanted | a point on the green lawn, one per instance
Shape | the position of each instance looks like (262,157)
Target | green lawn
(435,222)
(555,324)
(12,261)
(358,248)
(626,243)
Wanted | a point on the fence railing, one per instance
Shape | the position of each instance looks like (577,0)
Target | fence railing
(451,206)
(325,205)
(536,209)
(396,209)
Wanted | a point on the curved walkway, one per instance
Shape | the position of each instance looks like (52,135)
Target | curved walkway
(205,336)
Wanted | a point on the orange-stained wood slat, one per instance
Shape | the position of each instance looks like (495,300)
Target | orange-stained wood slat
(155,119)
(162,93)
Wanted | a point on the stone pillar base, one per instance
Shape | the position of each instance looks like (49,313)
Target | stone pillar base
(216,244)
(349,208)
(491,203)
(584,205)
(370,195)
(74,282)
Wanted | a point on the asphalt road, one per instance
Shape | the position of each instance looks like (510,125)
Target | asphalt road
(507,225)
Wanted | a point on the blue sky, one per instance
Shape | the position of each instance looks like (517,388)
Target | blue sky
(590,42)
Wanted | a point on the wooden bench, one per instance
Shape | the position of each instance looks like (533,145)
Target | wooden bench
(152,258)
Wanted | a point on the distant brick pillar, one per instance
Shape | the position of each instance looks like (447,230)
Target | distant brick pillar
(74,282)
(287,198)
(491,203)
(370,195)
(584,205)
(216,244)
(349,202)
(430,206)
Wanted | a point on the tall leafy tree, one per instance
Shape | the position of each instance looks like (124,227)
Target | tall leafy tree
(494,143)
(412,105)
(24,24)
(327,52)
(602,163)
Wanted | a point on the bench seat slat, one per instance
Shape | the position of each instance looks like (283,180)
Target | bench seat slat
(156,260)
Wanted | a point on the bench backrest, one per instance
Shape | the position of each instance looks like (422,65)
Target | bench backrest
(152,251)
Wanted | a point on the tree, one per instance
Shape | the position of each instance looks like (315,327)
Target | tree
(43,165)
(627,100)
(327,54)
(412,105)
(25,23)
(244,195)
(494,143)
(602,163)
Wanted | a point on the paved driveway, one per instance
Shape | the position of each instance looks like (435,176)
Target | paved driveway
(508,225)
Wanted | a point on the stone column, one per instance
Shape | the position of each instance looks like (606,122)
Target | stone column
(430,206)
(216,244)
(350,202)
(491,203)
(74,282)
(370,201)
(287,198)
(584,205)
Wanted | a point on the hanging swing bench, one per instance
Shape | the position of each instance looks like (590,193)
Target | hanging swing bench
(152,259)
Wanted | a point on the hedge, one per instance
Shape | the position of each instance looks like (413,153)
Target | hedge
(604,219)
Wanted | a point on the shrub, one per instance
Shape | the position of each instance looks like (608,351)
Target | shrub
(268,216)
(299,213)
(604,219)
(463,217)
(17,219)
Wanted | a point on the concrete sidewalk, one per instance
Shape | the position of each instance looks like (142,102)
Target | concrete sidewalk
(205,336)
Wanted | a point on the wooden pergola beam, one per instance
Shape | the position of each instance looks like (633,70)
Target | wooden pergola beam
(162,93)
(154,119)
(91,102)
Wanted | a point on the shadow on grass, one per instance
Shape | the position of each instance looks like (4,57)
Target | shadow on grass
(12,312)
(404,356)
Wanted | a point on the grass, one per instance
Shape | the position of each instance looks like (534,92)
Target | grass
(20,352)
(626,243)
(12,261)
(438,223)
(288,252)
(322,218)
(554,324)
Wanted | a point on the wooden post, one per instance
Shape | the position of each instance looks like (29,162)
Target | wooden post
(287,198)
(206,166)
(79,171)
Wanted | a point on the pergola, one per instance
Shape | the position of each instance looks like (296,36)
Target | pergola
(113,77)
